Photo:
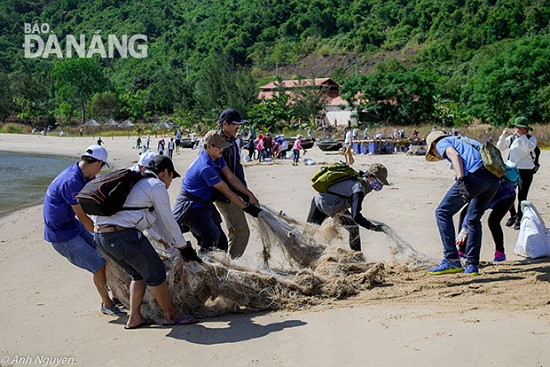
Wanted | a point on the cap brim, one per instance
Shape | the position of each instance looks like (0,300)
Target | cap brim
(238,122)
(175,174)
(225,145)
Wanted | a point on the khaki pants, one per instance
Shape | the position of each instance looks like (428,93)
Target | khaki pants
(237,228)
(348,153)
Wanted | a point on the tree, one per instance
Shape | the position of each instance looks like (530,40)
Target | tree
(511,82)
(271,114)
(399,98)
(6,102)
(77,80)
(220,86)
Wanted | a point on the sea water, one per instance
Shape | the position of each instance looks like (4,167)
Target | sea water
(24,178)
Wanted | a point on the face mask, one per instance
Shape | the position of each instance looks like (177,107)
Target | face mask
(376,186)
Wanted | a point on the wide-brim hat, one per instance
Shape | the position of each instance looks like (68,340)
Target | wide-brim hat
(379,172)
(216,138)
(433,137)
(522,122)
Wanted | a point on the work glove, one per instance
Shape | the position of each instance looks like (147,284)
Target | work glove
(253,210)
(462,237)
(189,254)
(374,227)
(463,189)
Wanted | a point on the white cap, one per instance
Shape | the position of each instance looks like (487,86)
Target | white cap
(96,152)
(146,157)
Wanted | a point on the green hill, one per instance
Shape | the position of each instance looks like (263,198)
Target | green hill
(483,59)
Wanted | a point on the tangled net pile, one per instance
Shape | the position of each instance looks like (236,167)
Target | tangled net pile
(312,274)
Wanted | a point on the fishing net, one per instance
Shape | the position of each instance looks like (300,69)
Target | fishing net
(307,273)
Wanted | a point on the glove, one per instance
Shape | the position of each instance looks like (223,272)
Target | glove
(189,254)
(463,189)
(253,210)
(462,237)
(375,227)
(535,170)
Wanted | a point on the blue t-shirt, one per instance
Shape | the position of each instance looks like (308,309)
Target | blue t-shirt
(202,175)
(471,158)
(60,222)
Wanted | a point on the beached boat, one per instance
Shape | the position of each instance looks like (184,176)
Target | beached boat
(329,144)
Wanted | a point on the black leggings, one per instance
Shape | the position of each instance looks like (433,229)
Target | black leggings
(525,180)
(499,211)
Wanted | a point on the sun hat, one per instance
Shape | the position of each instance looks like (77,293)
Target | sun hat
(379,172)
(232,116)
(216,138)
(433,137)
(522,122)
(161,162)
(96,152)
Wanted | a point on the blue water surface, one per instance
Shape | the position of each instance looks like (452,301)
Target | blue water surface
(24,178)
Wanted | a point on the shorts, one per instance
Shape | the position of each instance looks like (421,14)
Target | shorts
(132,251)
(81,251)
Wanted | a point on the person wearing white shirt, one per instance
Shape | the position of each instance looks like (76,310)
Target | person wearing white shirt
(120,237)
(521,147)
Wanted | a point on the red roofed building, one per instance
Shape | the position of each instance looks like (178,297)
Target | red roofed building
(333,104)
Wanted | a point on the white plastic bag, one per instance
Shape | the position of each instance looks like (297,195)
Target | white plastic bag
(534,238)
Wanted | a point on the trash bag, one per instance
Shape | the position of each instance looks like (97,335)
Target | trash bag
(534,238)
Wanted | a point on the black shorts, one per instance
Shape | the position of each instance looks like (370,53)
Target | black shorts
(132,250)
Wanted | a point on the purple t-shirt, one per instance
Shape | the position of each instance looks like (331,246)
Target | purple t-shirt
(60,222)
(202,175)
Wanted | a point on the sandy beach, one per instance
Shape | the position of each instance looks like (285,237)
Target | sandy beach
(51,316)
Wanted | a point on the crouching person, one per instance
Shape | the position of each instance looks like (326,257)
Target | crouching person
(120,237)
(345,195)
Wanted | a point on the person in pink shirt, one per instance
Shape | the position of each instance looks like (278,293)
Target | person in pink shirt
(296,150)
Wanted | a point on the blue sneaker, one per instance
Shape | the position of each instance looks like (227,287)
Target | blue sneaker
(472,270)
(447,267)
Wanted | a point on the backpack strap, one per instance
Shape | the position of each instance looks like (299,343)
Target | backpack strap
(149,208)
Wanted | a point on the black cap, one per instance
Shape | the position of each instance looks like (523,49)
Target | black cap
(162,162)
(231,115)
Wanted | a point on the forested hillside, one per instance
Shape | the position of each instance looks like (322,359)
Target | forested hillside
(444,61)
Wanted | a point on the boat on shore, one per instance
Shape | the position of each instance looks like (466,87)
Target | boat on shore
(329,144)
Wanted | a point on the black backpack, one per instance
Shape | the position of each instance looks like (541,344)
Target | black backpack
(106,195)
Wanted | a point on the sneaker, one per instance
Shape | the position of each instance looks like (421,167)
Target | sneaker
(499,256)
(510,222)
(517,226)
(112,310)
(117,302)
(447,267)
(461,255)
(472,270)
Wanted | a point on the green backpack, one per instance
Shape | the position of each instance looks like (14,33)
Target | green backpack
(337,172)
